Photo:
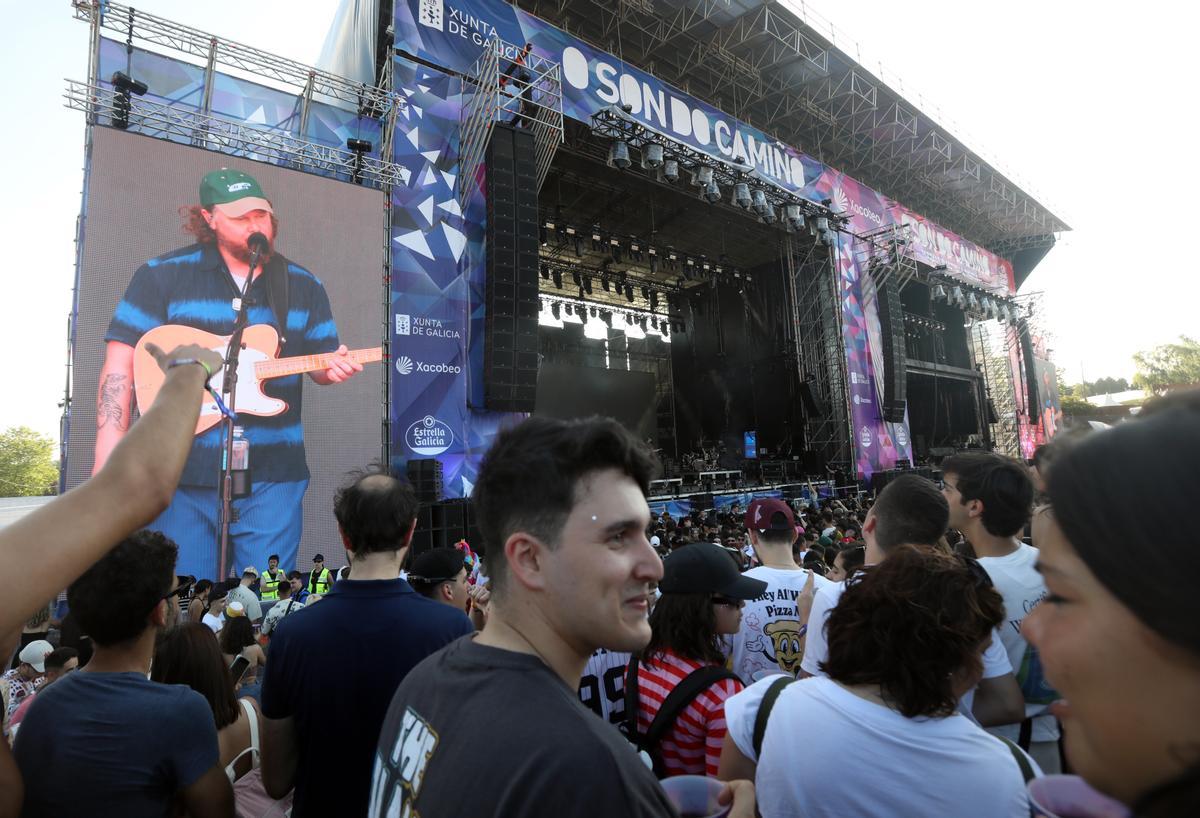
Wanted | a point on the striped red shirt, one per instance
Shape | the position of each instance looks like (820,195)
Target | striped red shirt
(693,745)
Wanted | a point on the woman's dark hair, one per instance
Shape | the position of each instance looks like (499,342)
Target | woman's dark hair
(686,625)
(1105,489)
(237,633)
(909,624)
(201,586)
(814,560)
(853,557)
(189,655)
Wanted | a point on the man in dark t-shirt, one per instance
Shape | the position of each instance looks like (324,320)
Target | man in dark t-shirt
(562,510)
(106,741)
(335,664)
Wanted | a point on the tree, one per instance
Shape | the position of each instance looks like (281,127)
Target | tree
(1168,365)
(27,467)
(1107,386)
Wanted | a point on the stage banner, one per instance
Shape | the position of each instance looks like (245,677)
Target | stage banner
(452,34)
(877,444)
(1027,432)
(677,508)
(436,326)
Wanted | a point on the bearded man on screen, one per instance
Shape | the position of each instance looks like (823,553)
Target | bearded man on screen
(199,286)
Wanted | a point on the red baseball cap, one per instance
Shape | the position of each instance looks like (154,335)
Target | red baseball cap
(770,513)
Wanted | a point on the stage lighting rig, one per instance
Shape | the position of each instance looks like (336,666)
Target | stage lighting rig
(741,195)
(557,276)
(702,177)
(712,193)
(938,293)
(618,155)
(669,172)
(635,251)
(597,240)
(652,157)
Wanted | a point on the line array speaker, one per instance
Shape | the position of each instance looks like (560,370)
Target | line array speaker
(425,475)
(895,376)
(814,407)
(510,351)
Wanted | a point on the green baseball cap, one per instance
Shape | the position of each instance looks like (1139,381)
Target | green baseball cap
(237,192)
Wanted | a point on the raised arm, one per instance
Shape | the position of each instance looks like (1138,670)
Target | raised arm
(59,541)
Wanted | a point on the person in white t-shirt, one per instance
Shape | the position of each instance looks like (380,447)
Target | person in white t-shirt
(991,499)
(912,511)
(905,643)
(769,639)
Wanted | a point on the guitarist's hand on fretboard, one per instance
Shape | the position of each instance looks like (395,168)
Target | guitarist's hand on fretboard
(341,368)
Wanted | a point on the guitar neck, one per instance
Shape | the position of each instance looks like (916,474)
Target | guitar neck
(300,364)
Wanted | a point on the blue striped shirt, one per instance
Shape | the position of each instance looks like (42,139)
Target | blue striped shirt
(192,287)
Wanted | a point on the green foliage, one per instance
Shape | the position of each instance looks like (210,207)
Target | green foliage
(27,467)
(1074,406)
(1176,364)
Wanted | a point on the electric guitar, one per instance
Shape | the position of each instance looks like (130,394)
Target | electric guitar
(256,363)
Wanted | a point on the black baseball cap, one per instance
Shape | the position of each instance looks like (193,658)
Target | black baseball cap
(705,568)
(319,558)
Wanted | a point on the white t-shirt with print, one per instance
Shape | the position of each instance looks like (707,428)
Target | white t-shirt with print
(921,766)
(769,637)
(1022,588)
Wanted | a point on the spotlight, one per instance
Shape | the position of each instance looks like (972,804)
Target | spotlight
(758,201)
(556,311)
(557,276)
(594,312)
(768,217)
(828,237)
(741,195)
(712,192)
(822,224)
(618,155)
(597,241)
(604,285)
(646,292)
(702,177)
(938,293)
(544,235)
(545,272)
(653,300)
(669,171)
(972,302)
(606,317)
(652,157)
(654,264)
(587,284)
(576,278)
(629,293)
(635,252)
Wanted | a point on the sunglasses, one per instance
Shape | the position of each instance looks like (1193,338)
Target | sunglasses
(727,602)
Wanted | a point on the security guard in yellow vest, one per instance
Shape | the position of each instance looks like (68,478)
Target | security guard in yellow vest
(320,580)
(271,579)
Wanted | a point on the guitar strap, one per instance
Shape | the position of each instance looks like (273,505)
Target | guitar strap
(277,293)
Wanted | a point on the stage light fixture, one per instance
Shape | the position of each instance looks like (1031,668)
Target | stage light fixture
(938,293)
(597,241)
(758,201)
(712,192)
(546,272)
(768,217)
(556,311)
(957,298)
(557,276)
(653,300)
(702,176)
(652,157)
(618,155)
(629,293)
(972,302)
(822,224)
(828,237)
(576,279)
(587,284)
(607,317)
(741,195)
(669,171)
(654,264)
(544,235)
(635,252)
(593,312)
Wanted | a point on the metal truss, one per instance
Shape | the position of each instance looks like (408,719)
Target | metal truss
(213,132)
(886,253)
(820,349)
(511,86)
(765,64)
(135,25)
(990,346)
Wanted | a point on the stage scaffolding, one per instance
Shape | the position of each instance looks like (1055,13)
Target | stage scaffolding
(775,66)
(820,349)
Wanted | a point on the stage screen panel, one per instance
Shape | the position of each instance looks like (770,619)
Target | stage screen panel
(151,258)
(566,391)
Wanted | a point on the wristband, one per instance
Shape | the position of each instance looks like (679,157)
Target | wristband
(181,361)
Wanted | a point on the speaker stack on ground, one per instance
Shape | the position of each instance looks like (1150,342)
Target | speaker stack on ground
(510,350)
(442,523)
(895,375)
(425,476)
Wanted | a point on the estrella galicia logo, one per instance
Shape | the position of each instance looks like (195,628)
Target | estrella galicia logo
(429,436)
(901,435)
(864,437)
(404,365)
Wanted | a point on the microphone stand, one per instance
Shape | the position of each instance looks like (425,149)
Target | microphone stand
(228,513)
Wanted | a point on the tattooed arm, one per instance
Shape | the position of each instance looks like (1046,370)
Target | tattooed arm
(114,402)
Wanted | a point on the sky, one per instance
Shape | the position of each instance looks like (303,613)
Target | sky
(1087,106)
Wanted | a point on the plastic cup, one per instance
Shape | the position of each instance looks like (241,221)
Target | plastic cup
(1069,796)
(695,796)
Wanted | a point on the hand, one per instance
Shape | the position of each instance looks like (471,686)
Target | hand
(804,601)
(212,360)
(341,368)
(741,794)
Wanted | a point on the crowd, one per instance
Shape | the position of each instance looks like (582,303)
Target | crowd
(932,650)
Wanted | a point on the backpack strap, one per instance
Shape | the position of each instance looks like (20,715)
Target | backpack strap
(1021,759)
(764,711)
(1025,737)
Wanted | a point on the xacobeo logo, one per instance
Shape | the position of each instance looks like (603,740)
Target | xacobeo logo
(404,365)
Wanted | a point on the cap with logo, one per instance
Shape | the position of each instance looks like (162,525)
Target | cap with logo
(235,191)
(705,568)
(770,514)
(250,569)
(34,654)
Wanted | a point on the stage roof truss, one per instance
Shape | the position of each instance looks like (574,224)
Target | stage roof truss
(763,62)
(135,25)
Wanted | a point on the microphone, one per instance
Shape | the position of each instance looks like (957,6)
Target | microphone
(258,245)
